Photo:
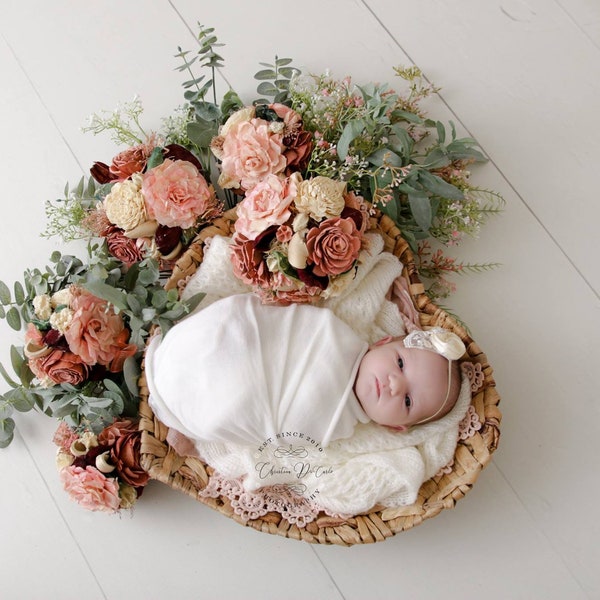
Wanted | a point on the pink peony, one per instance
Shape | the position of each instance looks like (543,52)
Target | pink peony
(90,488)
(265,205)
(177,195)
(333,246)
(250,153)
(97,333)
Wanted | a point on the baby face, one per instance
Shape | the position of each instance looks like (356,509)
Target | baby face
(399,386)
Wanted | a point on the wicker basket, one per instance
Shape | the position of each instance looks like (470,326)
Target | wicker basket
(190,475)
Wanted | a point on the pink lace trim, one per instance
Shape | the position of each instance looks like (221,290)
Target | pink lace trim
(474,373)
(295,509)
(470,425)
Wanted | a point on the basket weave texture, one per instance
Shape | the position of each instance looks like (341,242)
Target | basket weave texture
(189,474)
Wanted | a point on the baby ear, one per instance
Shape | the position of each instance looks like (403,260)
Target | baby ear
(382,341)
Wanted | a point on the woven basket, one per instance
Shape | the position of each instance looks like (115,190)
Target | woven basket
(189,475)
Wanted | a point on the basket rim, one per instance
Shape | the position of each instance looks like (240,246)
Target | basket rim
(189,475)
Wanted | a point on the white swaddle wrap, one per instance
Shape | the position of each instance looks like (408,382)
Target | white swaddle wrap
(351,475)
(241,372)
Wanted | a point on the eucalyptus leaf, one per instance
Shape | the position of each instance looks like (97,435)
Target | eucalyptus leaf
(207,111)
(267,88)
(7,428)
(441,131)
(200,134)
(437,186)
(17,359)
(265,74)
(384,156)
(156,158)
(4,294)
(106,292)
(420,208)
(19,293)
(6,409)
(131,374)
(21,400)
(351,131)
(13,318)
(2,312)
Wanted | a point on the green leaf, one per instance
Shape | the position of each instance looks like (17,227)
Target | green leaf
(200,134)
(441,131)
(406,116)
(108,293)
(13,318)
(265,74)
(421,210)
(17,359)
(351,131)
(2,312)
(20,399)
(194,301)
(281,62)
(207,111)
(155,159)
(267,88)
(405,142)
(7,428)
(19,293)
(131,374)
(437,186)
(4,294)
(391,210)
(384,156)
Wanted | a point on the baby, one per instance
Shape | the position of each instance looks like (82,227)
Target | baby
(244,372)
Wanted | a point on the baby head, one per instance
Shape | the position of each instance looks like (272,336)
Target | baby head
(412,380)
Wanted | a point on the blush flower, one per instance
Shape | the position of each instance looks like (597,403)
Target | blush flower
(177,195)
(130,161)
(333,246)
(126,249)
(59,367)
(265,205)
(97,333)
(247,262)
(90,488)
(250,152)
(125,455)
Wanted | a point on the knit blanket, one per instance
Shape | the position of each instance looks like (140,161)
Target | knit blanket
(374,466)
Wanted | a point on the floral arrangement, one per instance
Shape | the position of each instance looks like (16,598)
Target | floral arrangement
(149,202)
(86,325)
(306,164)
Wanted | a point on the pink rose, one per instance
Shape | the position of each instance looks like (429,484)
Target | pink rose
(333,246)
(177,195)
(109,435)
(265,205)
(130,161)
(97,333)
(248,263)
(250,153)
(64,437)
(90,488)
(122,247)
(60,367)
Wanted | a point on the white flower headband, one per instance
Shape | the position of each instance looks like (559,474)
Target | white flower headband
(443,342)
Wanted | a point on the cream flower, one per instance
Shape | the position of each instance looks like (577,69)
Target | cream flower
(321,197)
(42,307)
(447,344)
(61,320)
(300,222)
(63,459)
(297,250)
(124,205)
(62,297)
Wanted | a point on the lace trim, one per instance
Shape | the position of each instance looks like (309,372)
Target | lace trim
(474,374)
(295,509)
(470,425)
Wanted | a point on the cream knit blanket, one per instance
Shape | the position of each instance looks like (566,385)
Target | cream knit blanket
(376,465)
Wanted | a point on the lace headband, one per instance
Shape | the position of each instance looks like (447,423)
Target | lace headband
(443,342)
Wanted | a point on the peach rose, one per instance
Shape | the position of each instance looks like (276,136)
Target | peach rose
(122,247)
(247,262)
(97,333)
(265,205)
(109,435)
(91,489)
(130,161)
(250,153)
(125,455)
(333,246)
(177,195)
(59,367)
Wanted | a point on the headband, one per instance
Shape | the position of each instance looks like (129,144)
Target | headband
(440,341)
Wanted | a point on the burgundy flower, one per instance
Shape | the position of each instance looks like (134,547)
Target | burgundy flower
(122,247)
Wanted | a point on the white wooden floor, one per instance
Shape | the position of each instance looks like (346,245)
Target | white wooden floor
(521,76)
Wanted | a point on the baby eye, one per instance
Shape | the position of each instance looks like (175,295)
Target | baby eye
(407,401)
(400,363)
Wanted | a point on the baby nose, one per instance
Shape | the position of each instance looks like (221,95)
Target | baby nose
(397,385)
